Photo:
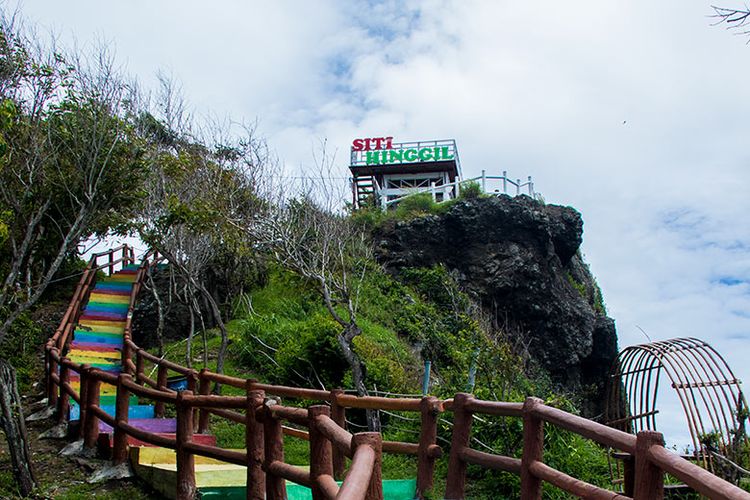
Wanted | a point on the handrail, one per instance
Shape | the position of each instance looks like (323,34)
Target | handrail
(360,474)
(326,430)
(390,196)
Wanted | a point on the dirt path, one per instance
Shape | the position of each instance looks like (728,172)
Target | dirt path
(63,477)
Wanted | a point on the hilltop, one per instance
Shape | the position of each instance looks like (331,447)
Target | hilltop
(521,260)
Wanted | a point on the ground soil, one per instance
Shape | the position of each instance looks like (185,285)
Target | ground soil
(62,477)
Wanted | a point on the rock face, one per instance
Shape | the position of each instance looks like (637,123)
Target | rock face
(519,258)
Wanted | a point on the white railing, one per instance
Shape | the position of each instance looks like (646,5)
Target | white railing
(490,184)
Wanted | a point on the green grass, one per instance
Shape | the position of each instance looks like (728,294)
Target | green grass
(282,334)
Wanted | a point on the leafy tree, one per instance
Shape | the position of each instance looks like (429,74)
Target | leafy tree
(328,249)
(201,184)
(70,167)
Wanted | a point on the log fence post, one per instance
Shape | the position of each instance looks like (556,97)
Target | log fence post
(321,452)
(192,385)
(338,415)
(120,438)
(126,355)
(533,450)
(83,397)
(455,484)
(111,263)
(429,408)
(649,479)
(63,402)
(255,484)
(161,385)
(204,389)
(185,460)
(375,441)
(139,361)
(273,435)
(628,473)
(91,429)
(52,387)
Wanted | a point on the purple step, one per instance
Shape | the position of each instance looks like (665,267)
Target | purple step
(156,425)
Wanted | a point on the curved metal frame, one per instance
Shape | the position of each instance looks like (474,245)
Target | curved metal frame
(708,391)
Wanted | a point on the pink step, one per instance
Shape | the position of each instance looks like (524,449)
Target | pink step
(155,425)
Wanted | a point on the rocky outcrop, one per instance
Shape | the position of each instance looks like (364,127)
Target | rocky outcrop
(520,259)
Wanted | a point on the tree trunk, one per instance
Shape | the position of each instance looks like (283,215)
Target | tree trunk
(189,346)
(358,372)
(216,312)
(15,430)
(160,311)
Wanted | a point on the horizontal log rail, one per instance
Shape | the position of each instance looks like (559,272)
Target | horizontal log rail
(231,456)
(324,425)
(103,415)
(490,461)
(289,472)
(232,416)
(329,429)
(148,437)
(572,485)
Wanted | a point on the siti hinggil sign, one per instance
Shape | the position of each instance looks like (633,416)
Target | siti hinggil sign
(383,151)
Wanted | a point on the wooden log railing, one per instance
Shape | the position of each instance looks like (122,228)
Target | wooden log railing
(324,425)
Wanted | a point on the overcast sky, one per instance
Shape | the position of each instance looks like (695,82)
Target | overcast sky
(634,112)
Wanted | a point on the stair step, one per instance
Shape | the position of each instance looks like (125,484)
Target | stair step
(120,278)
(93,325)
(116,328)
(107,393)
(109,354)
(102,316)
(98,363)
(109,298)
(134,411)
(95,345)
(114,286)
(119,308)
(79,357)
(99,338)
(96,330)
(116,292)
(156,425)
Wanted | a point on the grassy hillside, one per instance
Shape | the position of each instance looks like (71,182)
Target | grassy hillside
(281,333)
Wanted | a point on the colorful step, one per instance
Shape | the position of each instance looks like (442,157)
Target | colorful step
(135,411)
(155,425)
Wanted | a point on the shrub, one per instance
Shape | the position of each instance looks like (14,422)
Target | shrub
(415,205)
(470,190)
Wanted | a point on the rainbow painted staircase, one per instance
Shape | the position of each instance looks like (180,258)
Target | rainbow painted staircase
(98,337)
(97,341)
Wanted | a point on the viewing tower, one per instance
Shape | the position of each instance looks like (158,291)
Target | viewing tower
(384,171)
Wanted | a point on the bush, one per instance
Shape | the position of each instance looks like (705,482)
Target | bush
(470,190)
(415,205)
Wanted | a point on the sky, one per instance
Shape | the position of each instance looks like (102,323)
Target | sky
(633,112)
